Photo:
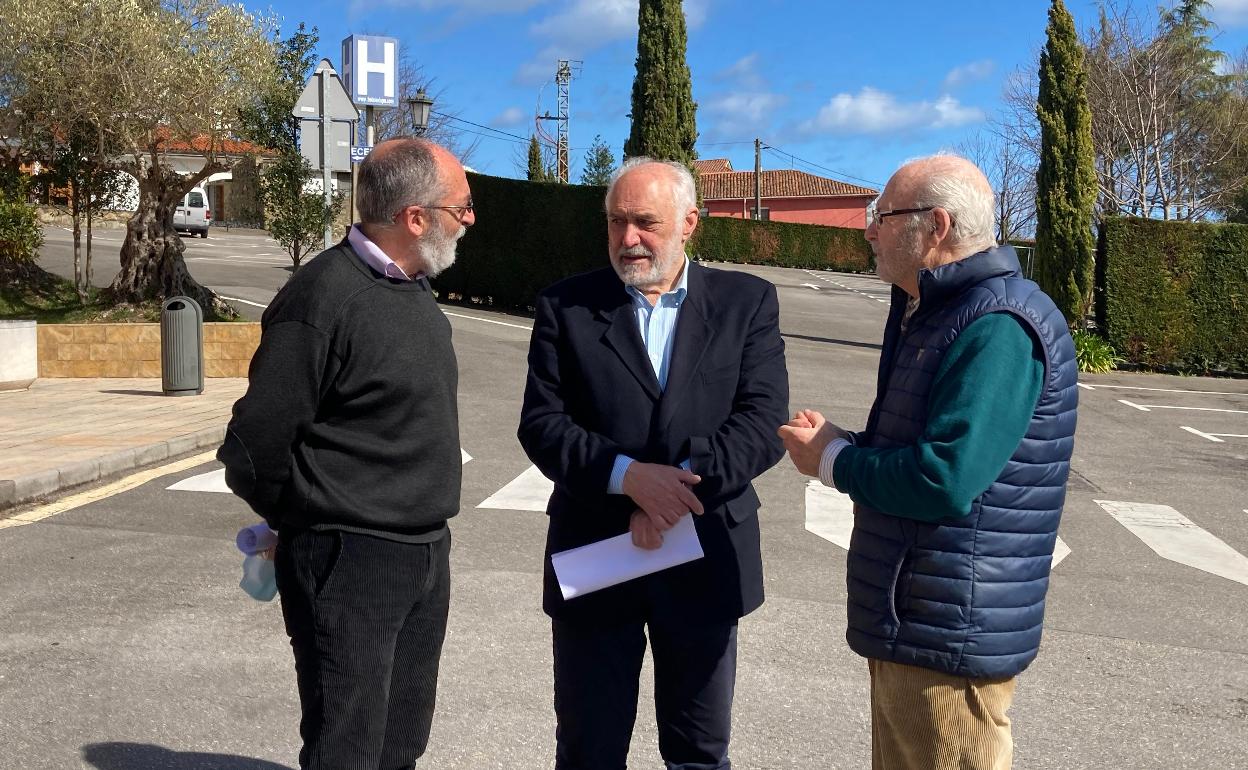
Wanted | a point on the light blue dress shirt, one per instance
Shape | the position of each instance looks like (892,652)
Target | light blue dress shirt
(657,324)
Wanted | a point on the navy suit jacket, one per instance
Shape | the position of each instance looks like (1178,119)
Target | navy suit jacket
(592,394)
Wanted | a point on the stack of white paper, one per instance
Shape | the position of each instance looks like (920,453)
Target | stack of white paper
(615,560)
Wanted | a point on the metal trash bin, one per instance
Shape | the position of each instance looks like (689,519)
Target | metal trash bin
(181,347)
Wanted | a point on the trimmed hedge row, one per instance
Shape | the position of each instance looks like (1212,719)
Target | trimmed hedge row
(782,244)
(529,235)
(1174,295)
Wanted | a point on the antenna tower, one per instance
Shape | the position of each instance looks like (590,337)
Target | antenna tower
(564,72)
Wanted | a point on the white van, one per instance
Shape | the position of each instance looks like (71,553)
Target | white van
(192,213)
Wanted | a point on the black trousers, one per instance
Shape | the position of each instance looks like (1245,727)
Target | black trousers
(366,618)
(597,672)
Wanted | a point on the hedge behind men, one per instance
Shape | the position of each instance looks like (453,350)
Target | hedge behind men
(654,389)
(347,443)
(959,478)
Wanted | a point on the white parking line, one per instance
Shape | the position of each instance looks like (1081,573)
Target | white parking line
(812,286)
(1087,386)
(1174,537)
(1151,407)
(1214,437)
(490,321)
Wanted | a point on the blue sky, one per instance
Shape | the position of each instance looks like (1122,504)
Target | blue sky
(847,90)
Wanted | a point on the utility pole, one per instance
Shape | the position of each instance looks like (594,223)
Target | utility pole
(564,72)
(758,178)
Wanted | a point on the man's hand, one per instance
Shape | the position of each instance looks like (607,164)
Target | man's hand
(645,535)
(806,436)
(664,492)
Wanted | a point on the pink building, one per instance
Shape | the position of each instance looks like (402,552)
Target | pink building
(787,196)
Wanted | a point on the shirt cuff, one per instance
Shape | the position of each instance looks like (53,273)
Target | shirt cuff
(828,461)
(687,464)
(616,485)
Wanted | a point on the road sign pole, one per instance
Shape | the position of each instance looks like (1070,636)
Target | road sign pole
(326,161)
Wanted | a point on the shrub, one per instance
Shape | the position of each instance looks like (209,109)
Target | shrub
(20,235)
(1174,295)
(1094,354)
(783,244)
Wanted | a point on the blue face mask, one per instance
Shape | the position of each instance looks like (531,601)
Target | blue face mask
(259,578)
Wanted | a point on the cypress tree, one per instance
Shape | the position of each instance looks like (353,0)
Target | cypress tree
(1066,184)
(537,170)
(663,125)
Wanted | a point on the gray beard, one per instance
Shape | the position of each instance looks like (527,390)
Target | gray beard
(437,251)
(642,276)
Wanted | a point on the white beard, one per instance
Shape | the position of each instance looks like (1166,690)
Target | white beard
(645,274)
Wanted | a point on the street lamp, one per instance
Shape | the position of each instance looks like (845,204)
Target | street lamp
(420,105)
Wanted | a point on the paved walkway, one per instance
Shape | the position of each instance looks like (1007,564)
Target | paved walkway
(65,432)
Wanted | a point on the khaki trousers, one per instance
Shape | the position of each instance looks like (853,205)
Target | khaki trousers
(926,720)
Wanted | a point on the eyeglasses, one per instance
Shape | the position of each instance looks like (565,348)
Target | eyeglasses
(463,210)
(876,217)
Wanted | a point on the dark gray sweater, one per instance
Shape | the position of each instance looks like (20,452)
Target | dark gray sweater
(349,421)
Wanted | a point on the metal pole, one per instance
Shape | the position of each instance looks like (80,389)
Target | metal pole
(758,179)
(327,173)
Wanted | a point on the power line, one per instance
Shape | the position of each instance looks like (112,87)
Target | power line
(803,161)
(478,125)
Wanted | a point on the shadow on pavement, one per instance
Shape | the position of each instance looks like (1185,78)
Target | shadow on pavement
(145,756)
(134,392)
(830,341)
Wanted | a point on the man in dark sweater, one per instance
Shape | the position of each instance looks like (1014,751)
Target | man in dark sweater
(347,443)
(959,478)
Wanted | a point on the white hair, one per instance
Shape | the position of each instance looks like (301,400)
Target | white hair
(684,191)
(970,205)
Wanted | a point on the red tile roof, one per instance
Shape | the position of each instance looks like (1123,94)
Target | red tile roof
(712,165)
(785,183)
(200,145)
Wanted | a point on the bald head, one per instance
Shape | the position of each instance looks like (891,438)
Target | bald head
(402,172)
(956,185)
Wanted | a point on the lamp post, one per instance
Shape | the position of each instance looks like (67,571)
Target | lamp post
(420,105)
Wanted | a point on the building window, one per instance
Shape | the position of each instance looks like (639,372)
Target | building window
(766,213)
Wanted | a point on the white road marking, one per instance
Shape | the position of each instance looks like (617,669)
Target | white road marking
(1085,387)
(212,481)
(829,513)
(464,457)
(244,301)
(490,321)
(117,487)
(1174,537)
(1151,407)
(1060,551)
(1164,390)
(812,286)
(1202,434)
(529,491)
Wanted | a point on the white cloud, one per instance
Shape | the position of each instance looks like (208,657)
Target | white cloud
(748,108)
(969,73)
(1230,13)
(581,26)
(871,111)
(475,7)
(742,73)
(508,118)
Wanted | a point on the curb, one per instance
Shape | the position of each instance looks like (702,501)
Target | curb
(26,488)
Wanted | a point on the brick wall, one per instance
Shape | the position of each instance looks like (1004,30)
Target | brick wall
(133,350)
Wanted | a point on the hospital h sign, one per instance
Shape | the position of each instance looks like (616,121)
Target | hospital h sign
(370,70)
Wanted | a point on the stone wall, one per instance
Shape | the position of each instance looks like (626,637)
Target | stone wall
(133,350)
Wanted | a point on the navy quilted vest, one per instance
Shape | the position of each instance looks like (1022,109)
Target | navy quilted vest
(964,596)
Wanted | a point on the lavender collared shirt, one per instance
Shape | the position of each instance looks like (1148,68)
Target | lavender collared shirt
(372,255)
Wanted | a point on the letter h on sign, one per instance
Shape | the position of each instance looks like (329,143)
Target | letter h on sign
(370,67)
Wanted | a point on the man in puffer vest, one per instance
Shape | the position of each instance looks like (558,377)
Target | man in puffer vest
(959,478)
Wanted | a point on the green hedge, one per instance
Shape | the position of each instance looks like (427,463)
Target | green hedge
(20,234)
(1174,295)
(529,235)
(783,244)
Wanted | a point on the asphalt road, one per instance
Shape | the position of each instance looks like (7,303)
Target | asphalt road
(127,644)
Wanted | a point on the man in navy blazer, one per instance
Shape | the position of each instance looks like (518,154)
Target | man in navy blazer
(653,393)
